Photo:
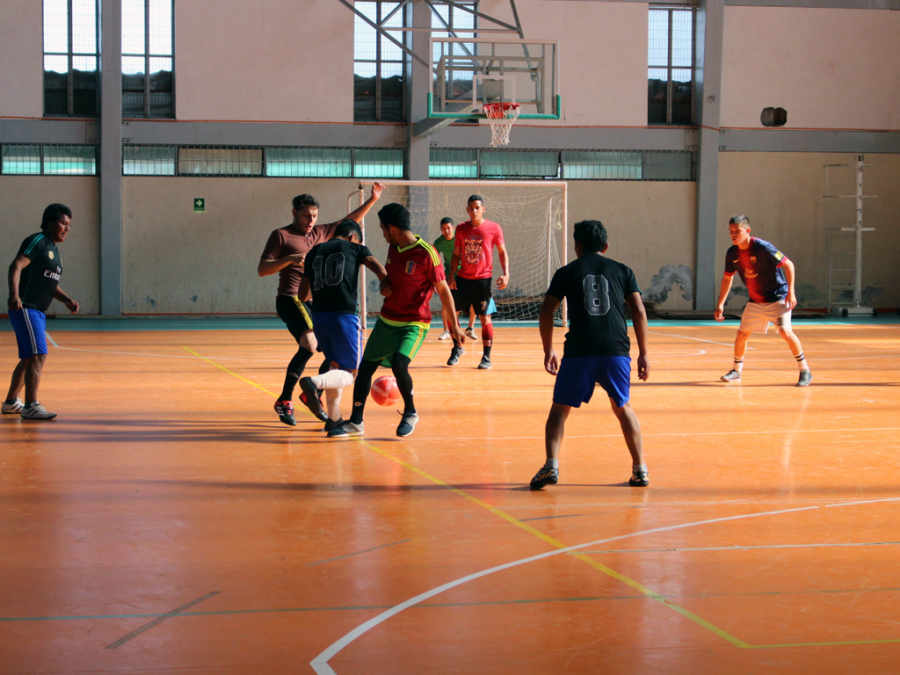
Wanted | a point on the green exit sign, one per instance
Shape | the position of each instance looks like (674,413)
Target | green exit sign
(199,205)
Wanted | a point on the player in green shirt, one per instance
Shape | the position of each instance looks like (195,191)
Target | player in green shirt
(444,245)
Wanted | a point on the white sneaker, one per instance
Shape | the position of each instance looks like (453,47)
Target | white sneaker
(445,335)
(470,333)
(35,411)
(12,408)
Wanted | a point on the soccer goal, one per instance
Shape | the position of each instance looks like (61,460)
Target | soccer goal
(531,213)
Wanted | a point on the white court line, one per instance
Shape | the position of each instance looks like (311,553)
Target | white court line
(52,341)
(164,356)
(320,663)
(687,434)
(688,337)
(869,501)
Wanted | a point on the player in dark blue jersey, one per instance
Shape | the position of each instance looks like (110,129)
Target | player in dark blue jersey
(769,277)
(597,346)
(331,279)
(33,284)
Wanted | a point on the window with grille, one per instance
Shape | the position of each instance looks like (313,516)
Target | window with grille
(71,56)
(671,66)
(148,58)
(378,64)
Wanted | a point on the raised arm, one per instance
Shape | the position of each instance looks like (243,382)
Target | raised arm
(639,321)
(503,281)
(359,213)
(723,296)
(15,274)
(545,321)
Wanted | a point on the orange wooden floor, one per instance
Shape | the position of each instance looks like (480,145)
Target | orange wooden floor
(166,521)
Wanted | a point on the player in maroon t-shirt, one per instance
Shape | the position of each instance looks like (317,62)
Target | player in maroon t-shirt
(284,254)
(414,273)
(471,266)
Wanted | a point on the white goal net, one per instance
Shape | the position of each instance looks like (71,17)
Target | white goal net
(531,214)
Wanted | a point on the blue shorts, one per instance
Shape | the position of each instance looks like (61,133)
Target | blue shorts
(339,338)
(30,326)
(578,375)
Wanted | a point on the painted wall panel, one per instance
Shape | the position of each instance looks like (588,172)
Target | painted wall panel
(21,56)
(781,193)
(829,68)
(22,202)
(279,60)
(177,261)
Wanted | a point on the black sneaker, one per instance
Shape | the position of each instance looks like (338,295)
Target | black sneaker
(639,479)
(545,476)
(455,353)
(407,424)
(805,378)
(333,424)
(731,376)
(285,410)
(485,363)
(310,395)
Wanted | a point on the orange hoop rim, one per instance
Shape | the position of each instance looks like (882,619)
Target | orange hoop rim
(498,110)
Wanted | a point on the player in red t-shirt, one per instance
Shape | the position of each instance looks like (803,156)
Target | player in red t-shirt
(414,273)
(472,266)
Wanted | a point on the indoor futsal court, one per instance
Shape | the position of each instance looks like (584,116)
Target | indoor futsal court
(212,211)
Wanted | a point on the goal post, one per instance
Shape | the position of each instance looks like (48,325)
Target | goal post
(532,214)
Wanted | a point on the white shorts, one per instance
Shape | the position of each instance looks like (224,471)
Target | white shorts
(758,315)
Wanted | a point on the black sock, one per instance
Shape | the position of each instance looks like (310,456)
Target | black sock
(294,371)
(455,345)
(361,389)
(400,366)
(487,351)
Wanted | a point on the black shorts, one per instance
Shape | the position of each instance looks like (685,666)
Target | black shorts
(475,293)
(295,314)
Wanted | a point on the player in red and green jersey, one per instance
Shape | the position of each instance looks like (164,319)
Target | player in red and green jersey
(414,273)
(769,277)
(472,266)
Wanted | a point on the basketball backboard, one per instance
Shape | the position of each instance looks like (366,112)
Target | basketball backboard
(469,72)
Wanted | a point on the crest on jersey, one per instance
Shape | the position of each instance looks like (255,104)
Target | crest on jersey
(474,250)
(50,253)
(779,255)
(410,266)
(753,259)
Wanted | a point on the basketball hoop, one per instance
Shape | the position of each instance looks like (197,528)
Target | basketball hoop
(501,117)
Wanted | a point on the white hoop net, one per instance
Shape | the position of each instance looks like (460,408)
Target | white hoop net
(501,117)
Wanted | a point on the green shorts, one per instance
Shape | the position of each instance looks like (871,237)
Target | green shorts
(386,340)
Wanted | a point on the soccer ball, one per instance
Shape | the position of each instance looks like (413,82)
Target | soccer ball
(385,390)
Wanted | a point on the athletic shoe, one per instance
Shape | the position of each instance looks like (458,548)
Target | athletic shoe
(485,363)
(285,410)
(407,424)
(310,397)
(347,429)
(545,476)
(639,479)
(455,353)
(333,424)
(445,335)
(805,378)
(35,411)
(12,408)
(470,333)
(731,376)
(321,415)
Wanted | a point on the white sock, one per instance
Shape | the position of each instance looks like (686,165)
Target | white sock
(801,361)
(738,365)
(552,464)
(333,379)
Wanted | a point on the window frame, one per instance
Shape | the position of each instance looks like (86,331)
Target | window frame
(380,15)
(670,9)
(70,57)
(147,55)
